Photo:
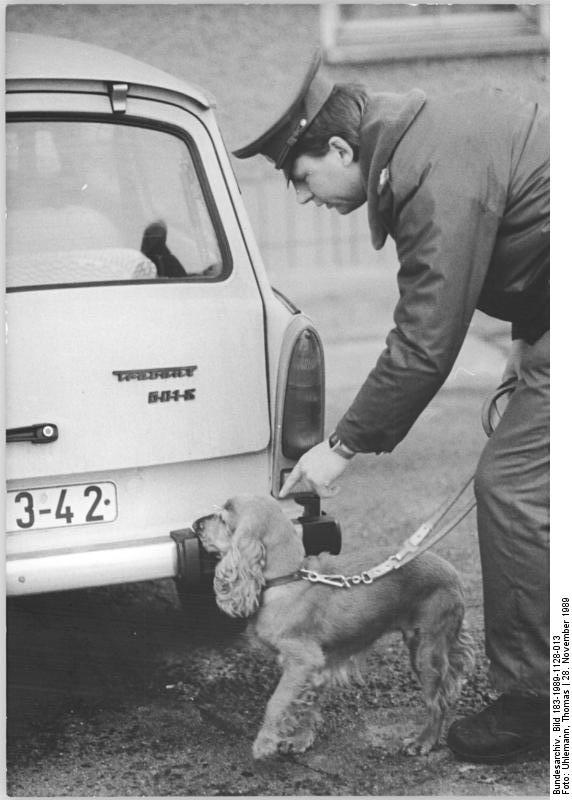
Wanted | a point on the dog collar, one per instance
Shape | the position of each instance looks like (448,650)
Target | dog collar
(299,575)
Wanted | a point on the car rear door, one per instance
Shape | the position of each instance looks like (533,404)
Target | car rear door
(135,323)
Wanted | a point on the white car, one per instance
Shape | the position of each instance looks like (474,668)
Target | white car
(152,371)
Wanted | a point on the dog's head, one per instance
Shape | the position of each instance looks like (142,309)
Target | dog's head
(214,532)
(256,542)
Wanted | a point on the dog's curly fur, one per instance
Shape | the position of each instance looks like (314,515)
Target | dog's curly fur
(319,631)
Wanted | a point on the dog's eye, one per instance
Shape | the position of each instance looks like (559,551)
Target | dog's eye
(227,512)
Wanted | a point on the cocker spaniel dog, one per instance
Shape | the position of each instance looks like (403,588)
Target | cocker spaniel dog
(319,630)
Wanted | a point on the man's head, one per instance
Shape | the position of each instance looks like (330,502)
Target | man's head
(332,179)
(316,142)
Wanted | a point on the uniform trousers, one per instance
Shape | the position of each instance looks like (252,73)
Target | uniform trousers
(512,491)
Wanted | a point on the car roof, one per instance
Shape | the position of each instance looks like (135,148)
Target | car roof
(34,57)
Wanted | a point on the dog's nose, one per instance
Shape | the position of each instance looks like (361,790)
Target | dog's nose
(198,525)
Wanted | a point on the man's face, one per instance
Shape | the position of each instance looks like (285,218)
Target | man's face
(332,180)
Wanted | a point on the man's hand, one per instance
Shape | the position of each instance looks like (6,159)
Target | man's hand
(317,469)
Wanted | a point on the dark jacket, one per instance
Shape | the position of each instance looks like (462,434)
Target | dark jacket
(462,186)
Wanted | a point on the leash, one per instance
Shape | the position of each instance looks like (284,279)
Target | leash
(490,413)
(427,535)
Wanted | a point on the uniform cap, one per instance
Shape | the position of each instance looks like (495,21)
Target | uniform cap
(279,139)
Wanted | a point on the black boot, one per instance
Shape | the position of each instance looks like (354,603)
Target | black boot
(511,725)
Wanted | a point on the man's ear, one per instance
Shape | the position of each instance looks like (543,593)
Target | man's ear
(342,148)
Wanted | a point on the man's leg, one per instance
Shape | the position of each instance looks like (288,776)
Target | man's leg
(512,489)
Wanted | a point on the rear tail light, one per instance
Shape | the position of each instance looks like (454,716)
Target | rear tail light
(303,415)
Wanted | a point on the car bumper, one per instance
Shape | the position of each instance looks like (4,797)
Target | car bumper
(175,554)
(59,570)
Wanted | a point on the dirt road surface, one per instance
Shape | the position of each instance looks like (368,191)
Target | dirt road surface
(112,693)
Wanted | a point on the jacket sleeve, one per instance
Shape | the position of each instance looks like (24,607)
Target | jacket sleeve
(445,232)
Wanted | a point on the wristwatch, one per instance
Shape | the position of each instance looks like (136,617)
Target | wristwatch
(337,446)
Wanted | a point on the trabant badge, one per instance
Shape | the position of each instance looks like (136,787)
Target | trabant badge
(156,373)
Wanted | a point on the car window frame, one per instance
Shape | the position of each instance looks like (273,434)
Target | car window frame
(194,151)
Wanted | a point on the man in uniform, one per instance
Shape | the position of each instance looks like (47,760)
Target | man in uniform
(461,184)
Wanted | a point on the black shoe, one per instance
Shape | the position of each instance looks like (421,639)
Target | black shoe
(513,724)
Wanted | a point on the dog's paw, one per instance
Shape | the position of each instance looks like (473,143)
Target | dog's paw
(265,745)
(298,743)
(417,746)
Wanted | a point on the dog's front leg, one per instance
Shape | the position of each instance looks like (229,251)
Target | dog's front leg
(290,717)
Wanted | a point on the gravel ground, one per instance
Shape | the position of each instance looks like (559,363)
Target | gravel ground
(120,698)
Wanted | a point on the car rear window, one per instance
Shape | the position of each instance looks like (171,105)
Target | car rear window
(90,201)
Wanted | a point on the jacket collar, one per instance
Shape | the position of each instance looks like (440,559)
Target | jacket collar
(386,119)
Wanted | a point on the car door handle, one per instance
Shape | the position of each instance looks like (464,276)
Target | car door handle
(42,433)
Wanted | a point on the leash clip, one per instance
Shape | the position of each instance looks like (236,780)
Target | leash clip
(340,581)
(330,580)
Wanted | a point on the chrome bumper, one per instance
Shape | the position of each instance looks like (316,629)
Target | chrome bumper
(59,570)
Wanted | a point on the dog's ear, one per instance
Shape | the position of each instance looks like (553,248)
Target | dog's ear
(239,575)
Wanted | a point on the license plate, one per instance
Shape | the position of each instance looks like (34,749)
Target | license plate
(61,506)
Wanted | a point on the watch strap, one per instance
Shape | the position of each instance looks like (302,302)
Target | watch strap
(337,446)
